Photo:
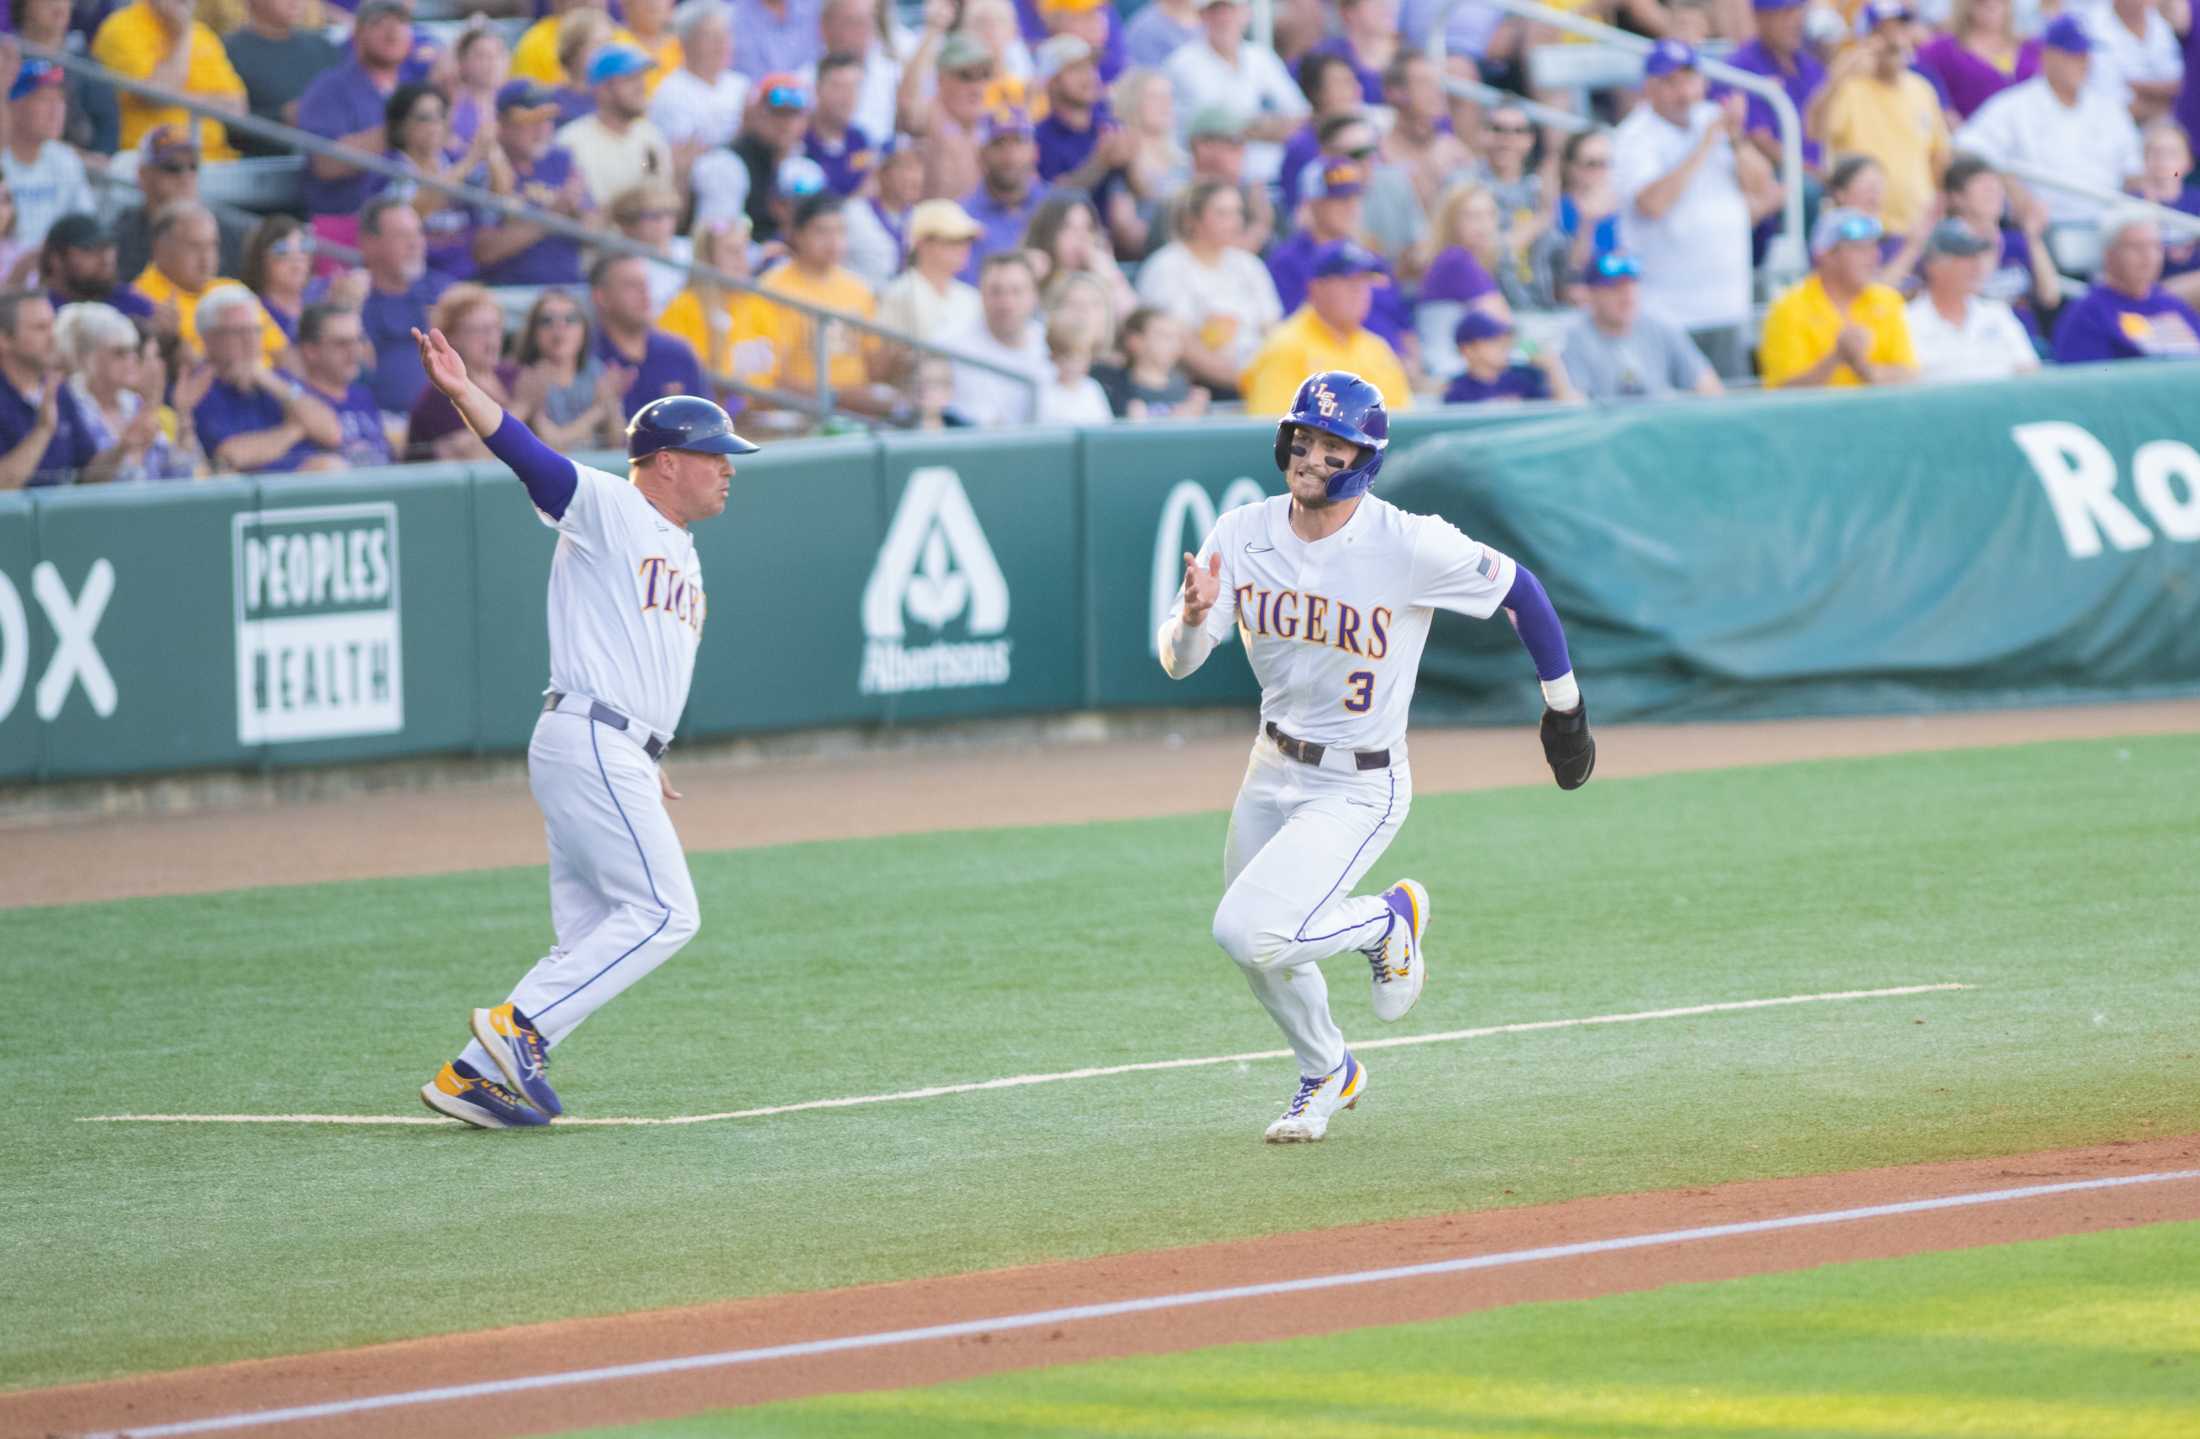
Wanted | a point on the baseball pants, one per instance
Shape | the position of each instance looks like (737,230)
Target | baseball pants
(1301,837)
(621,900)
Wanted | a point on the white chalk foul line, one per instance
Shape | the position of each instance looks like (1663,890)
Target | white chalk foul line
(725,1359)
(1019,1081)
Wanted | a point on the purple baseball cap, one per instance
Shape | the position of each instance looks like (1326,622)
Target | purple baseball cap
(1004,123)
(1334,180)
(2064,33)
(525,95)
(1667,56)
(1479,325)
(1763,6)
(1345,258)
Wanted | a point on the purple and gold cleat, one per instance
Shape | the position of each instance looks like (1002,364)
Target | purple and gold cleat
(461,1094)
(521,1052)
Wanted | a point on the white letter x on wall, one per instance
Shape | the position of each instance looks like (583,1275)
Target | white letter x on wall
(75,655)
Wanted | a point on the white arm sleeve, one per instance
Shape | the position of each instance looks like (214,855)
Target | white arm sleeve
(1184,648)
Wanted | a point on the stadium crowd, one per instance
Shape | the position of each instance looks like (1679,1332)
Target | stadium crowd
(1130,212)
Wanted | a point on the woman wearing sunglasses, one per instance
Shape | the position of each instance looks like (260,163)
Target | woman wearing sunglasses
(278,260)
(563,392)
(418,123)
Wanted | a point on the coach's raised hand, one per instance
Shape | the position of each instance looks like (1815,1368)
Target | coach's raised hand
(447,372)
(1201,587)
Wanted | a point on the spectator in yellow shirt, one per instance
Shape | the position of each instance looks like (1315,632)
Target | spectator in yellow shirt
(158,42)
(1874,104)
(535,57)
(1328,332)
(817,242)
(1839,327)
(186,264)
(733,332)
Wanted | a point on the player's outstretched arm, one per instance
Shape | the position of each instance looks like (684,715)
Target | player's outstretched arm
(1567,744)
(1184,643)
(549,476)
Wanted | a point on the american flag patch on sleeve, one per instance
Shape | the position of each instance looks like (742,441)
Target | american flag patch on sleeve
(1487,565)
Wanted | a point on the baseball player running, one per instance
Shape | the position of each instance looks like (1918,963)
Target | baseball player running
(1333,591)
(626,614)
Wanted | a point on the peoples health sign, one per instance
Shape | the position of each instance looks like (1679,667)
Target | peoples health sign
(319,636)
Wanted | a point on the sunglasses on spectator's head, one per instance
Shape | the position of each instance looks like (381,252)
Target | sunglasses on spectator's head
(1615,266)
(296,243)
(787,97)
(1857,227)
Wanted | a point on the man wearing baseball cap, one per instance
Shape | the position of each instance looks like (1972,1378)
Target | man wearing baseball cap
(929,297)
(1011,192)
(617,146)
(1334,209)
(1329,332)
(1959,334)
(509,252)
(1485,343)
(1689,196)
(45,176)
(1875,104)
(1613,351)
(1839,327)
(1779,54)
(1073,138)
(347,105)
(2057,122)
(77,265)
(138,42)
(779,118)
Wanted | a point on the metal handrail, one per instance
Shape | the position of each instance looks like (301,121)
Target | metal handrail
(1549,116)
(308,143)
(2163,215)
(106,179)
(1785,262)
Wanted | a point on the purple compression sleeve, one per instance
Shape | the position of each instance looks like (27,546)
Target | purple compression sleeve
(549,476)
(1538,624)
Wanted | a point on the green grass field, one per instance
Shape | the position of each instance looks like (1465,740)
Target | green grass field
(2057,879)
(2093,1337)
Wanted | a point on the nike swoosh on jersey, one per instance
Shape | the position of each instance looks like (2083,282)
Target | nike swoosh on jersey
(1260,549)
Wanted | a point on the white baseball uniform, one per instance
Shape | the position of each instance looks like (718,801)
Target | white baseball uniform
(1334,630)
(626,615)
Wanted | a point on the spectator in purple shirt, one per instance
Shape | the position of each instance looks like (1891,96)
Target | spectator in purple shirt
(77,263)
(1010,194)
(255,419)
(1076,140)
(2127,315)
(400,289)
(1332,213)
(618,286)
(1485,344)
(1368,42)
(540,173)
(1778,53)
(1980,55)
(2187,110)
(348,105)
(2165,178)
(776,35)
(834,141)
(418,121)
(331,347)
(1334,92)
(1092,21)
(43,436)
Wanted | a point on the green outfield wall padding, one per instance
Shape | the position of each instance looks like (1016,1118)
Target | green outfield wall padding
(1826,553)
(1901,549)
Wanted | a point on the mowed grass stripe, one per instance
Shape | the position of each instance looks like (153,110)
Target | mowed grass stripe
(2056,878)
(2071,1338)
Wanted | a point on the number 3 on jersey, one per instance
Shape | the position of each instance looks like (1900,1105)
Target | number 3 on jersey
(1360,691)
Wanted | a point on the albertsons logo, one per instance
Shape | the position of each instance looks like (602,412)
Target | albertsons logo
(319,652)
(934,571)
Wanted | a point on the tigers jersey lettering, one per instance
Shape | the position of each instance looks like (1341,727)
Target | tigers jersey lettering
(1334,630)
(626,602)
